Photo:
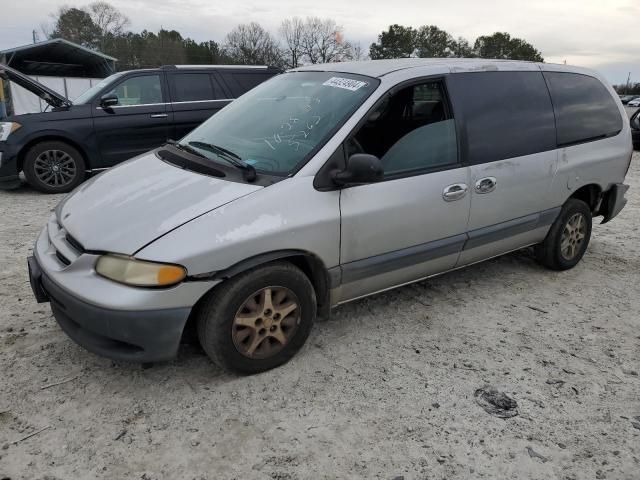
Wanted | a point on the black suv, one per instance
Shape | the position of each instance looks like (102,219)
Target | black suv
(124,115)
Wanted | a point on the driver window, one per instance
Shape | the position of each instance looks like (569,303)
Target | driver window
(410,131)
(142,90)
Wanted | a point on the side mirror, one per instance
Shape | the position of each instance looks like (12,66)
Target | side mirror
(361,168)
(109,100)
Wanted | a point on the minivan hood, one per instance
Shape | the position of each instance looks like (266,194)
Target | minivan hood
(45,93)
(129,206)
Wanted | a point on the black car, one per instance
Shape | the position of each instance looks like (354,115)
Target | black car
(635,129)
(124,115)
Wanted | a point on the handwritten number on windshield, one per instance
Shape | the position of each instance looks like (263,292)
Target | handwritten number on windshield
(291,140)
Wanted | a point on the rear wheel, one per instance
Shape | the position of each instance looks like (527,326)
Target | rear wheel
(54,167)
(568,237)
(259,319)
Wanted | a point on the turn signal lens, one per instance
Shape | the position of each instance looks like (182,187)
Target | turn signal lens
(139,273)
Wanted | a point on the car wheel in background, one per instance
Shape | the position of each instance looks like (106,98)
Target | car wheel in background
(568,237)
(257,320)
(54,167)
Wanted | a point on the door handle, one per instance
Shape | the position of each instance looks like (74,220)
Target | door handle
(159,115)
(455,192)
(486,185)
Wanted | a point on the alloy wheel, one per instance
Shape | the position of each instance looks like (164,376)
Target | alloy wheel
(573,236)
(55,168)
(266,322)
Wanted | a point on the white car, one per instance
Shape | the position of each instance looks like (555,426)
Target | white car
(634,103)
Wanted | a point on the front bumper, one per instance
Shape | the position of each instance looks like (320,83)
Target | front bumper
(107,318)
(140,336)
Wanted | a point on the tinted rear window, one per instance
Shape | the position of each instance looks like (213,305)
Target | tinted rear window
(190,87)
(585,110)
(506,114)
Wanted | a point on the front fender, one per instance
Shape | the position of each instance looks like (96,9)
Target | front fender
(287,216)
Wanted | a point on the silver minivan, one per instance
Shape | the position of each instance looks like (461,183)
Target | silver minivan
(326,184)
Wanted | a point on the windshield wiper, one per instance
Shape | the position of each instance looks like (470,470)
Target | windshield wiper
(186,148)
(233,158)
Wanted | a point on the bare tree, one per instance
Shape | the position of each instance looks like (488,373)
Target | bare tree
(251,44)
(292,31)
(108,18)
(356,52)
(322,41)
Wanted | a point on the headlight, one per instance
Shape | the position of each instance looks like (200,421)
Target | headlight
(139,273)
(6,129)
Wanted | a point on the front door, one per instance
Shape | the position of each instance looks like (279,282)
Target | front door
(139,123)
(413,223)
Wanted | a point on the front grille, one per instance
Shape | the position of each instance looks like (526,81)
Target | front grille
(66,248)
(62,258)
(74,243)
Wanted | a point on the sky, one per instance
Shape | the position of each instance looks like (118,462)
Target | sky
(600,34)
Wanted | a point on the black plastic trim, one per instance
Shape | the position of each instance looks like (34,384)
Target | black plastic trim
(387,262)
(493,233)
(615,201)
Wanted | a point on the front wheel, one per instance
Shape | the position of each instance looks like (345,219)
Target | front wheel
(53,167)
(259,319)
(568,237)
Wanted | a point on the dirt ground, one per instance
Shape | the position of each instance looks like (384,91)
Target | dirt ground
(385,389)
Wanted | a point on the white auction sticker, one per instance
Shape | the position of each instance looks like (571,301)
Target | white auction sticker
(346,83)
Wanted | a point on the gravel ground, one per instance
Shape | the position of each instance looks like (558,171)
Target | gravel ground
(385,389)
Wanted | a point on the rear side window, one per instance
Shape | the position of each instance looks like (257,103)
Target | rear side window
(242,82)
(193,87)
(505,114)
(585,110)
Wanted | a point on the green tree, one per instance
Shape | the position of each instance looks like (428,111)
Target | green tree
(432,42)
(500,45)
(396,42)
(460,48)
(77,26)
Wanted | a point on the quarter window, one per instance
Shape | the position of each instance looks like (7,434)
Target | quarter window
(141,90)
(585,110)
(506,114)
(410,131)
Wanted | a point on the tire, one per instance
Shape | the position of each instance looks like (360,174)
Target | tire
(561,249)
(236,331)
(54,167)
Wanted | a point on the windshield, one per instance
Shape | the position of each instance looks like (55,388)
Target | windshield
(279,124)
(88,95)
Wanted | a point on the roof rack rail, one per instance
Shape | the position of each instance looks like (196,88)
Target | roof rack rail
(242,67)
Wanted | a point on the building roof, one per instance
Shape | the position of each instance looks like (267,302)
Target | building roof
(59,57)
(380,68)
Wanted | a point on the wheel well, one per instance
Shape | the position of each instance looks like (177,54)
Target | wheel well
(314,269)
(589,194)
(310,265)
(50,138)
